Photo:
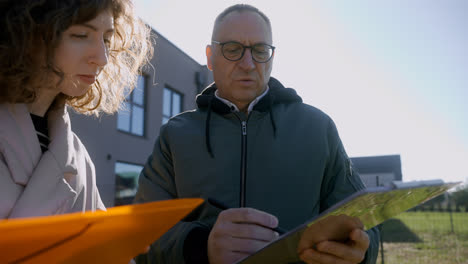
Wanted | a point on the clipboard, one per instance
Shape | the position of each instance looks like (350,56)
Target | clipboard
(372,206)
(112,236)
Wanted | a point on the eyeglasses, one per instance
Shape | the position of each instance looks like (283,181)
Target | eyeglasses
(234,51)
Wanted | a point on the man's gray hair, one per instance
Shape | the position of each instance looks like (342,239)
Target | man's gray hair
(239,8)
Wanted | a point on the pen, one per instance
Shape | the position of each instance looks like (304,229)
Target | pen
(222,206)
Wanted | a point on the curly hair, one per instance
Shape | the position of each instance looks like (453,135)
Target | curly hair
(32,27)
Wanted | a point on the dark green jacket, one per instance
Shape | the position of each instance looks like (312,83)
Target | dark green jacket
(284,158)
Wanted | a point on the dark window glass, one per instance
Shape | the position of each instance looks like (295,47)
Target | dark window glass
(123,118)
(137,120)
(131,118)
(172,104)
(126,182)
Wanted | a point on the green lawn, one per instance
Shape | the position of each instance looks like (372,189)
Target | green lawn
(426,237)
(435,221)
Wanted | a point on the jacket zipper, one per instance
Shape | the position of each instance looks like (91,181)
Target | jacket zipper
(243,163)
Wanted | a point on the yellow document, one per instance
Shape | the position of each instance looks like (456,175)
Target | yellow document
(112,236)
(372,206)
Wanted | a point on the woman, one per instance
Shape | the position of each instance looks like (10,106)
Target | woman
(56,55)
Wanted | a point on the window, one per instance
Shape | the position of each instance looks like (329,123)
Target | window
(172,104)
(131,119)
(126,182)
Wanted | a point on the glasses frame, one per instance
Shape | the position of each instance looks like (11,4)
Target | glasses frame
(243,50)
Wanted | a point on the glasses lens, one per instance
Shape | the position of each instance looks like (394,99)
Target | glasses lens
(262,52)
(232,50)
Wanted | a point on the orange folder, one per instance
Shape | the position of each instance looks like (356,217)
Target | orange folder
(112,236)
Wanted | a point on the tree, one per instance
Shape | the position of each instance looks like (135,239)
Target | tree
(460,197)
(435,204)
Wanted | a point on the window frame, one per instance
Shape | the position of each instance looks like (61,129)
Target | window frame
(171,107)
(129,109)
(121,200)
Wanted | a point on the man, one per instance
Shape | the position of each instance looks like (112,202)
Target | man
(250,144)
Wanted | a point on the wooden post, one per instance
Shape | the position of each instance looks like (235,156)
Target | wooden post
(381,244)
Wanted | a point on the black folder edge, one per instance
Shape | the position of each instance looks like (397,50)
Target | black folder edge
(284,249)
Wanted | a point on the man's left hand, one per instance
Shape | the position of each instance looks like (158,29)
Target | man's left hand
(334,239)
(352,251)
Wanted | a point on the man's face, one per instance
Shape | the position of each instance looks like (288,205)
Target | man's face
(240,81)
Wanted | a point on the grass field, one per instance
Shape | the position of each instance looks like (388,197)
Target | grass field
(426,237)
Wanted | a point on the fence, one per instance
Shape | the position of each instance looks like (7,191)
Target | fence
(425,237)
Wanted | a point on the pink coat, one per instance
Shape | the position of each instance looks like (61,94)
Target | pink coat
(62,180)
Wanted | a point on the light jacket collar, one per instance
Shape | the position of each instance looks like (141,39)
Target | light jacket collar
(61,140)
(234,108)
(20,145)
(18,141)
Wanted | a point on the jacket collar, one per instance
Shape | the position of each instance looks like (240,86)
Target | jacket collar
(234,107)
(62,140)
(277,94)
(18,141)
(20,146)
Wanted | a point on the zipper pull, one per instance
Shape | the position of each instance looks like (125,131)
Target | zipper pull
(244,128)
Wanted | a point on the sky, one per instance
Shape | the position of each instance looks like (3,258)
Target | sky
(393,75)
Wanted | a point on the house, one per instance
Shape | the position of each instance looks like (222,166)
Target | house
(119,144)
(378,170)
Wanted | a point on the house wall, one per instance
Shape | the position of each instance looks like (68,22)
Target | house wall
(107,145)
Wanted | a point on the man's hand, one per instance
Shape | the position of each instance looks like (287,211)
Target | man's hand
(238,233)
(335,239)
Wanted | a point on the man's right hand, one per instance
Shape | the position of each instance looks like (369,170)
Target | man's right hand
(238,233)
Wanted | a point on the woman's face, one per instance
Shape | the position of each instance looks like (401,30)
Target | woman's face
(83,52)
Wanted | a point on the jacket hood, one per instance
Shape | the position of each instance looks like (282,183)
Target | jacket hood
(277,94)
